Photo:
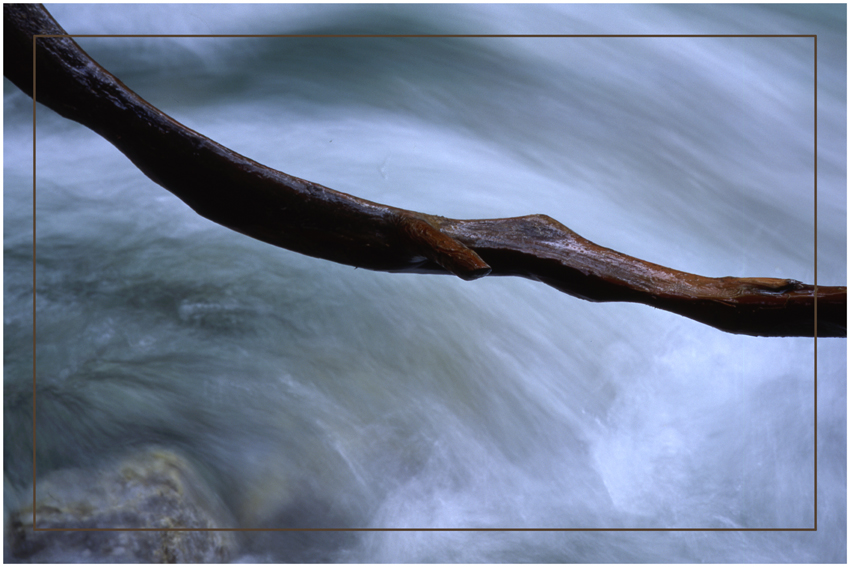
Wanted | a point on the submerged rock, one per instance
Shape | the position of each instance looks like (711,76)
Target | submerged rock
(152,489)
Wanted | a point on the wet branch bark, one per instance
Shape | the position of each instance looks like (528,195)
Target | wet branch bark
(305,217)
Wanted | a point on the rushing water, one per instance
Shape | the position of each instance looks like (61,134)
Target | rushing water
(316,395)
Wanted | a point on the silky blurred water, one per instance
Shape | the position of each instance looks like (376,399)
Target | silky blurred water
(315,395)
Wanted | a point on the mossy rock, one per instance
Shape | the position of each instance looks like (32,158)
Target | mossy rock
(152,490)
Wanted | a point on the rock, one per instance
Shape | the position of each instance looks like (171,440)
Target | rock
(152,489)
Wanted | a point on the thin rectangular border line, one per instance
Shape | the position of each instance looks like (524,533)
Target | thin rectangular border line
(71,36)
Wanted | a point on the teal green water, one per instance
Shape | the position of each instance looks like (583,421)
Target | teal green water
(315,395)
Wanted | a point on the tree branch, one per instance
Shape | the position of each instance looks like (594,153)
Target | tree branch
(306,217)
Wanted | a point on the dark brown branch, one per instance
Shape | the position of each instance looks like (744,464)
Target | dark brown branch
(305,217)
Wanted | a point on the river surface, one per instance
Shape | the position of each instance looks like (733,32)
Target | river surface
(315,395)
